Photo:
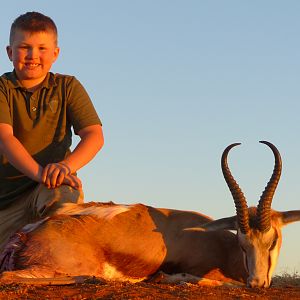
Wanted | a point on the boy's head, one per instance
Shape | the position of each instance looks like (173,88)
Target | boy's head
(32,48)
(32,22)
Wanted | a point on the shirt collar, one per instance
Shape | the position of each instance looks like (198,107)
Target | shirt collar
(14,83)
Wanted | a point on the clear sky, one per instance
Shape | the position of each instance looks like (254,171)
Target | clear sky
(174,83)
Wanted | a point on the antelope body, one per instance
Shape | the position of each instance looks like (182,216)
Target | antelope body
(135,242)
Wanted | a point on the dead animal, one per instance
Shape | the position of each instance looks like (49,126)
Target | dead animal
(138,242)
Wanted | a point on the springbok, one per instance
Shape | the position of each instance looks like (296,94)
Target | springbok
(135,242)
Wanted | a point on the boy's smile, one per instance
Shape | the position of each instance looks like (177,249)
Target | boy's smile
(32,55)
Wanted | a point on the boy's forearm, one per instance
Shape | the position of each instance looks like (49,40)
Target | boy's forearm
(18,156)
(91,142)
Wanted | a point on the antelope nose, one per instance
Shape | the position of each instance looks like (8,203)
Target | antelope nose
(256,282)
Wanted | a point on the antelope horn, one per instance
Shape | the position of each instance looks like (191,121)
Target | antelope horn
(264,204)
(237,194)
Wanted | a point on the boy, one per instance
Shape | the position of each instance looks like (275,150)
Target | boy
(37,110)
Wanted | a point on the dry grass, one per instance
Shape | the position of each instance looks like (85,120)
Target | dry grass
(286,279)
(286,286)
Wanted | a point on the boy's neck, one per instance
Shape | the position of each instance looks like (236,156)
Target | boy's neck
(32,85)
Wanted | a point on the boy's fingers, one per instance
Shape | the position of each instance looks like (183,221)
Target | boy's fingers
(48,182)
(45,174)
(60,179)
(54,174)
(65,167)
(73,181)
(58,173)
(53,177)
(78,183)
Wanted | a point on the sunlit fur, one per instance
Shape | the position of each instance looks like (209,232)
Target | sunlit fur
(260,249)
(261,252)
(134,242)
(125,243)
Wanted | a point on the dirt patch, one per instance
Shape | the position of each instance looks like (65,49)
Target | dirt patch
(116,290)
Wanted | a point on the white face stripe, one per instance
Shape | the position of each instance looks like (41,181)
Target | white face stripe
(260,256)
(111,273)
(273,257)
(101,212)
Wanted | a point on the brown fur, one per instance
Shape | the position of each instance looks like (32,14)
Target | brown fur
(133,245)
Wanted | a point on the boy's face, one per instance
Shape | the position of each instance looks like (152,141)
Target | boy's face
(32,55)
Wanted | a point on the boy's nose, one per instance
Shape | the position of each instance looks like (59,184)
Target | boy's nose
(32,53)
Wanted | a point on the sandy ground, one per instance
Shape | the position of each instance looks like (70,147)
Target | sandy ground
(281,289)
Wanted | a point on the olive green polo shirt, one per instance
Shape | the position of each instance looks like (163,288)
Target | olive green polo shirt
(42,122)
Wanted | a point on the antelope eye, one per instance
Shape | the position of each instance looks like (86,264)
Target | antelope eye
(273,244)
(243,249)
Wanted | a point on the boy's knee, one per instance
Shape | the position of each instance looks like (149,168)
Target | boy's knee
(49,200)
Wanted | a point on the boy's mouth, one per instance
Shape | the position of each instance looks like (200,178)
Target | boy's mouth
(29,65)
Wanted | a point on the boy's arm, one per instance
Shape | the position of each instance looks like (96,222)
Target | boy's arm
(91,142)
(17,155)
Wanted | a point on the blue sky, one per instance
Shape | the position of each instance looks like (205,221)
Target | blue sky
(174,83)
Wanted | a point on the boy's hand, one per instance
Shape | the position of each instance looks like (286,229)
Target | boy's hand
(54,174)
(73,181)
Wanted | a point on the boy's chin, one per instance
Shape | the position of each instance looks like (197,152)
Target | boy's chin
(30,75)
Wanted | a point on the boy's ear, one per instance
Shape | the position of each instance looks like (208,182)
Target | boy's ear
(56,53)
(9,52)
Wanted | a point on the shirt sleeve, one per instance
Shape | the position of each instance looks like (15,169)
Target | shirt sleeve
(81,111)
(5,114)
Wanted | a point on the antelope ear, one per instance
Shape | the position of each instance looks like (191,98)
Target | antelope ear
(229,223)
(290,216)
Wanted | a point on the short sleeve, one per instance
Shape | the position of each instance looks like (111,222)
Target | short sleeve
(5,114)
(80,109)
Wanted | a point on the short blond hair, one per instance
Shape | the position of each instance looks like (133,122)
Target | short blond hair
(32,22)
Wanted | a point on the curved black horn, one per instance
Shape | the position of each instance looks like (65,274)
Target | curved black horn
(264,204)
(237,194)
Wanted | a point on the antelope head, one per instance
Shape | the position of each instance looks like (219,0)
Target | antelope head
(258,228)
